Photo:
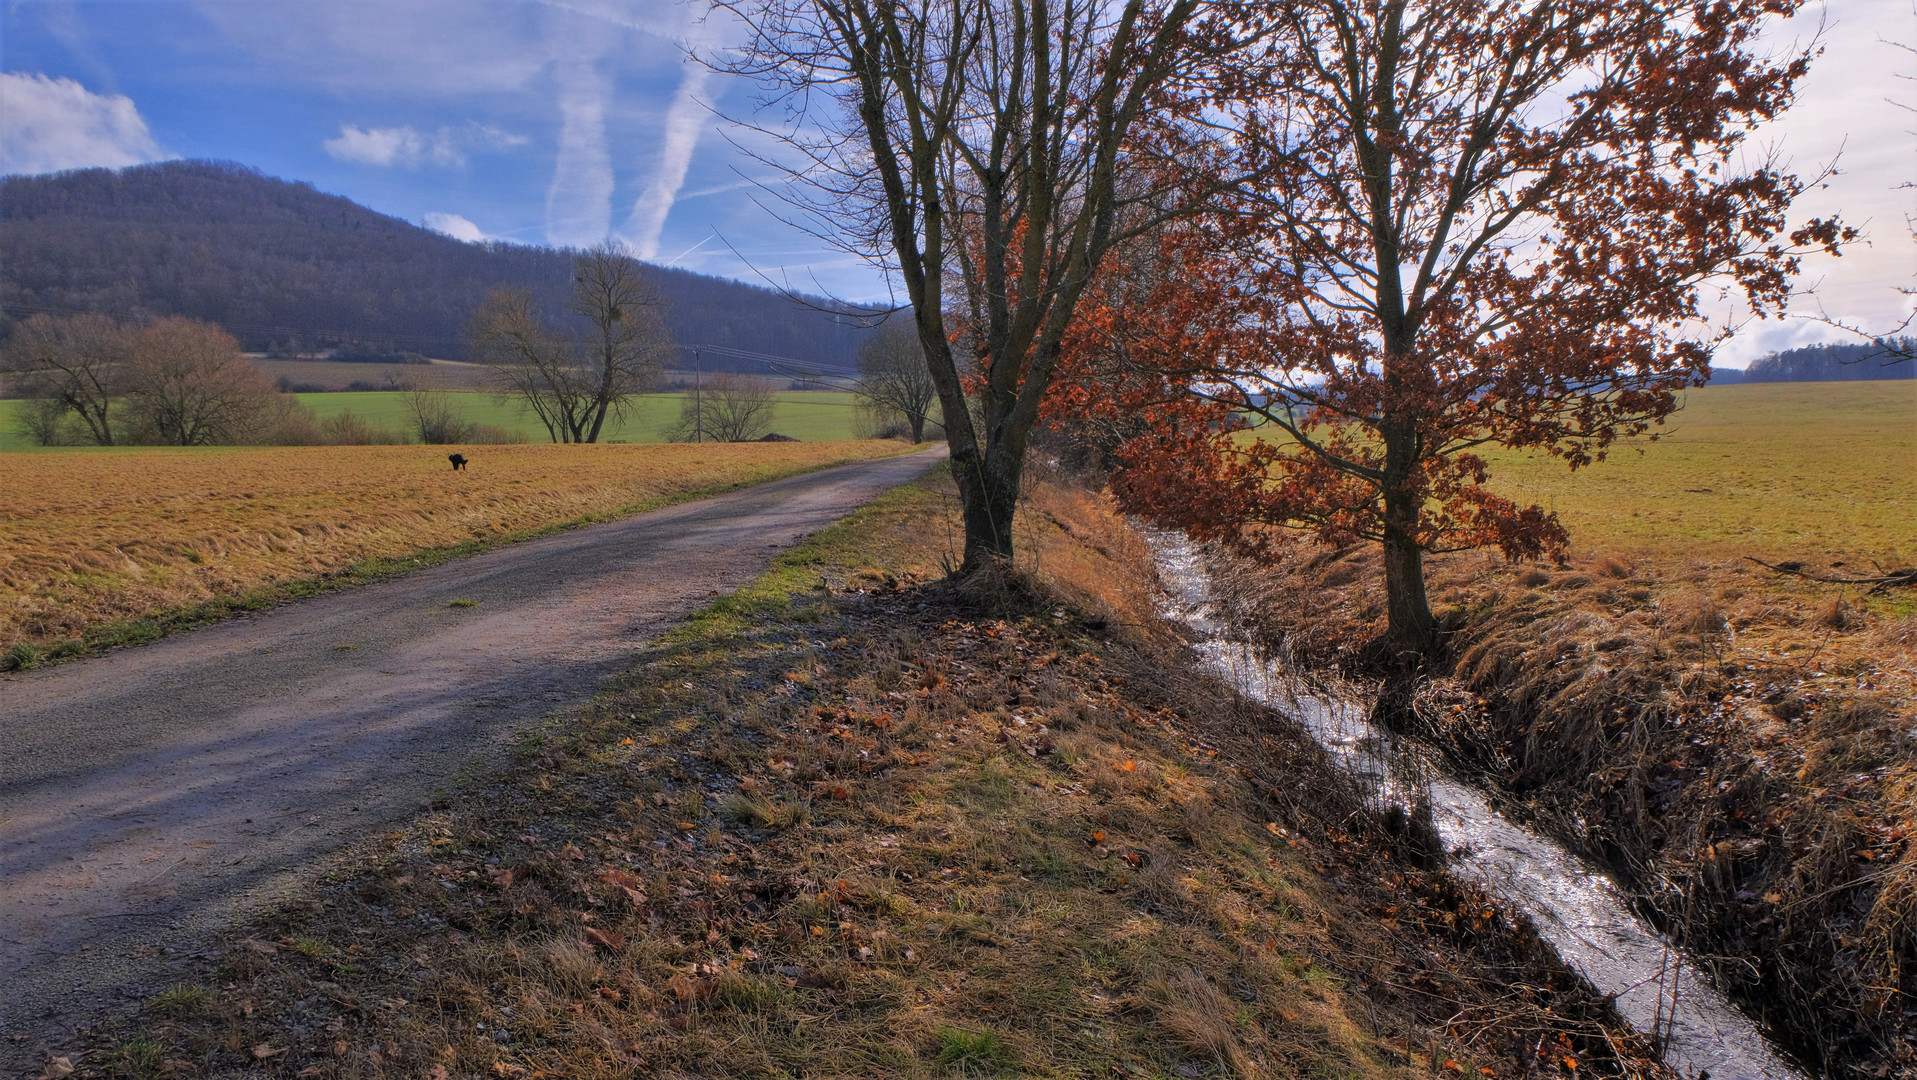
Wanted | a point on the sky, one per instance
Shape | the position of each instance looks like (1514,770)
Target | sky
(571,121)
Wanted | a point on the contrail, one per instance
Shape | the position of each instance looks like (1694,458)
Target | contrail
(684,120)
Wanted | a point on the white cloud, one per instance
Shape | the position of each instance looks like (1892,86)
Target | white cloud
(47,125)
(409,148)
(456,226)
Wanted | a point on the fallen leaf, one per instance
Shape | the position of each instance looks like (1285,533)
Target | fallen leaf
(340,1048)
(1571,1063)
(438,1073)
(606,940)
(571,851)
(686,826)
(1127,765)
(263,1051)
(1132,857)
(57,1068)
(312,1071)
(627,741)
(502,879)
(1098,838)
(1453,1066)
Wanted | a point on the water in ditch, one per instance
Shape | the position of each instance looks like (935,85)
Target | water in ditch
(1575,908)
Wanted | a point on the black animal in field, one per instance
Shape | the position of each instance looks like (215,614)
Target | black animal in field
(458,460)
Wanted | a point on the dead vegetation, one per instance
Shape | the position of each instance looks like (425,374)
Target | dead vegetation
(856,822)
(1738,746)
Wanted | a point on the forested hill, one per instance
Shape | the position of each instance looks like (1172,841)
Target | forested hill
(281,264)
(1837,363)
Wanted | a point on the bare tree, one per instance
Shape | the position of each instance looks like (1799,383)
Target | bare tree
(189,385)
(894,379)
(728,408)
(991,145)
(573,381)
(44,421)
(437,418)
(76,360)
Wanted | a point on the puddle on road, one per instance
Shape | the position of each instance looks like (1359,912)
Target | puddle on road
(1575,908)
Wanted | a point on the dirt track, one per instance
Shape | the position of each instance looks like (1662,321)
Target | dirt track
(150,795)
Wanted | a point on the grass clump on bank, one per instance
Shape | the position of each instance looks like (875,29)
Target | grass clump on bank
(854,821)
(116,546)
(1737,745)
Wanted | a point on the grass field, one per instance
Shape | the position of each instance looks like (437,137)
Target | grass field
(1775,470)
(807,415)
(92,540)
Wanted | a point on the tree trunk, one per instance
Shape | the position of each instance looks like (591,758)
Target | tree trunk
(1413,629)
(988,498)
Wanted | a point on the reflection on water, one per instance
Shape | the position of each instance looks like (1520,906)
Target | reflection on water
(1577,909)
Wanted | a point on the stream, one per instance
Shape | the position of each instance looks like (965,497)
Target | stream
(1576,908)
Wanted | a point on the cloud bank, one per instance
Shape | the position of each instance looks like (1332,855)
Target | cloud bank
(407,148)
(49,125)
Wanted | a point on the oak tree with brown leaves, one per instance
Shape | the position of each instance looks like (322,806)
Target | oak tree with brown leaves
(1478,224)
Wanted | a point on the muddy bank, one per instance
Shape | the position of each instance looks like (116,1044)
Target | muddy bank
(1736,756)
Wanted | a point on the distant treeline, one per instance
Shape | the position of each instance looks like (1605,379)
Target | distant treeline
(1837,363)
(288,269)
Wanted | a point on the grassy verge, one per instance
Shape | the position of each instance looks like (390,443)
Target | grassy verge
(854,822)
(124,547)
(1735,744)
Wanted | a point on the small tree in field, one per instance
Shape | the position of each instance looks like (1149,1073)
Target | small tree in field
(188,384)
(727,408)
(1480,224)
(78,361)
(573,380)
(894,380)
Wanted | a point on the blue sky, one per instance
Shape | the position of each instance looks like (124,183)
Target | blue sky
(570,120)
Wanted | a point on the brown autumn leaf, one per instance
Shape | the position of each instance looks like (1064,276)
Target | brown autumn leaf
(58,1068)
(313,1071)
(1453,1066)
(263,1051)
(340,1048)
(1097,838)
(605,939)
(1571,1063)
(571,851)
(438,1072)
(1127,765)
(502,879)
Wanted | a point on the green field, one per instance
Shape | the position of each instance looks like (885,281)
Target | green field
(1774,470)
(807,415)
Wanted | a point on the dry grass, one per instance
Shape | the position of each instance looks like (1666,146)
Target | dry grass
(107,537)
(1736,743)
(847,823)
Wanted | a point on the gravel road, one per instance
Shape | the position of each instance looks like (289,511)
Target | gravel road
(151,795)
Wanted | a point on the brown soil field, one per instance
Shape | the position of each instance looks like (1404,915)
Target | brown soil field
(853,821)
(110,545)
(1740,746)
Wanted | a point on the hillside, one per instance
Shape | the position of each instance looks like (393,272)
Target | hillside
(284,266)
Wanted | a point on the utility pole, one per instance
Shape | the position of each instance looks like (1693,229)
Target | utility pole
(698,402)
